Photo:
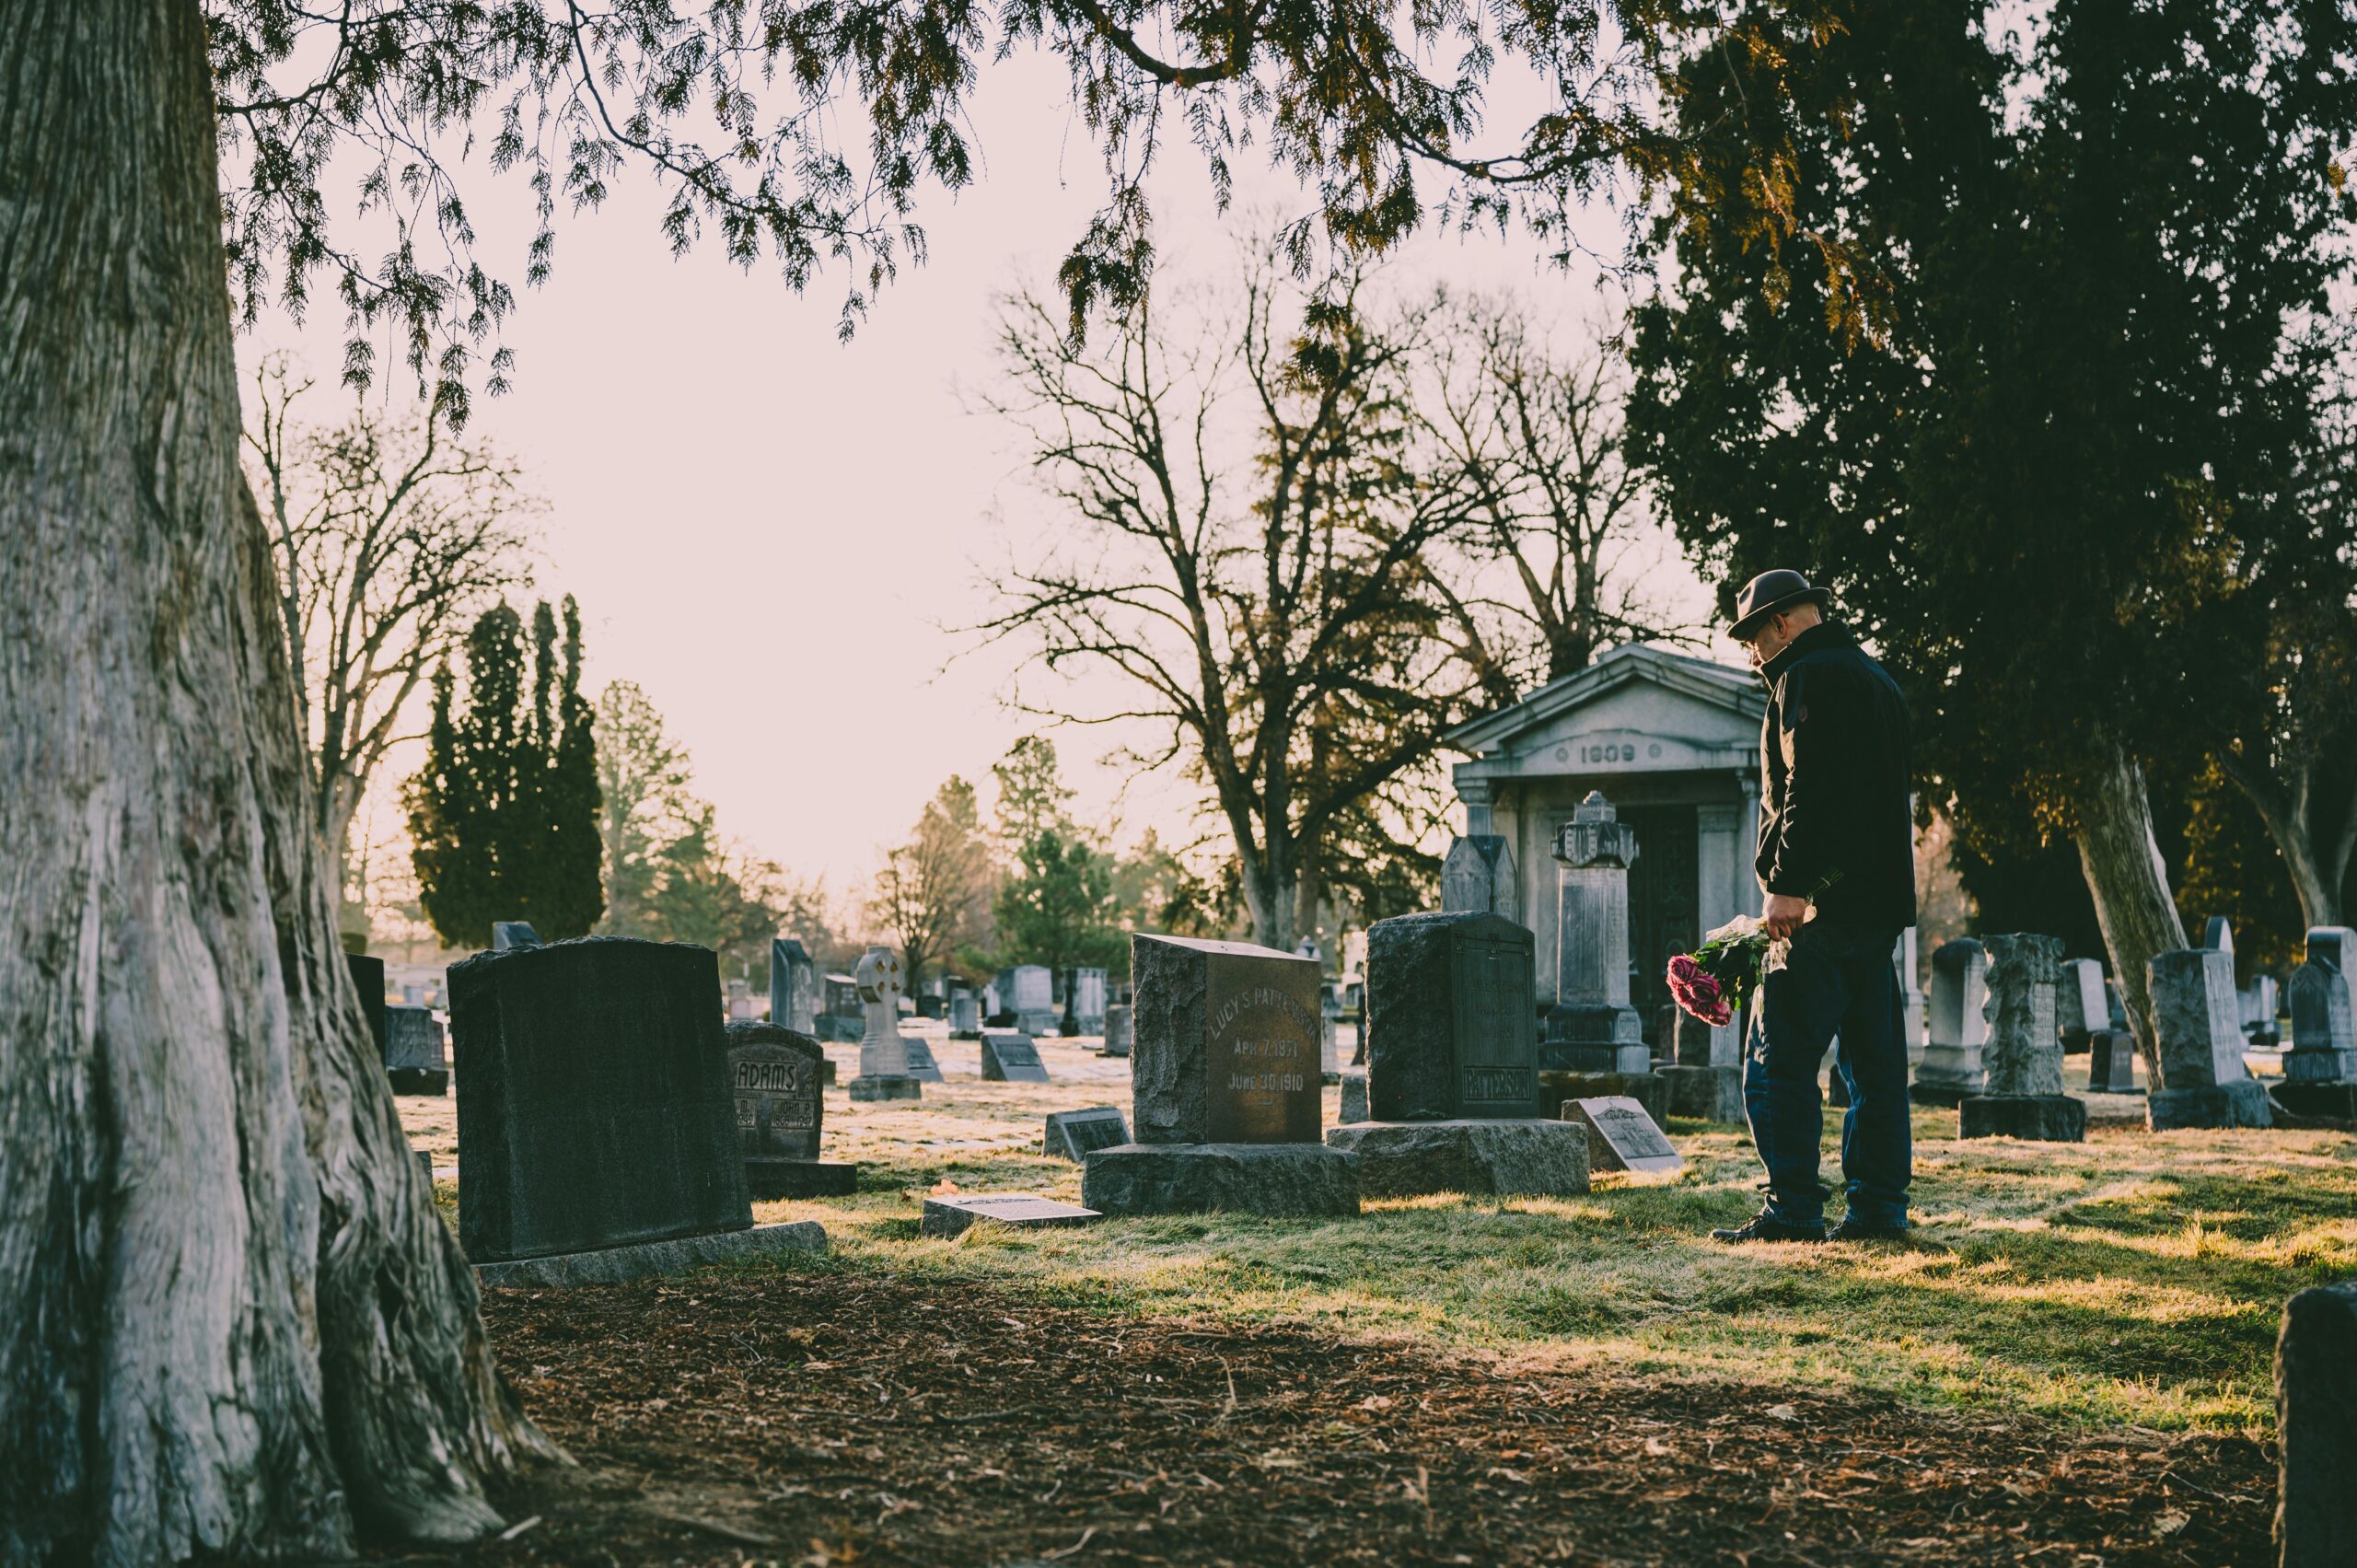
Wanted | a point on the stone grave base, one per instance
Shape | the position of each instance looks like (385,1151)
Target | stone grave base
(1105,1050)
(616,1265)
(1710,1094)
(435,1081)
(1353,1097)
(2328,1101)
(2046,1119)
(1648,1089)
(2224,1105)
(1938,1092)
(771,1178)
(1486,1159)
(1306,1180)
(886,1088)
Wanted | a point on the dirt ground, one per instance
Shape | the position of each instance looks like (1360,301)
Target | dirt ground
(832,1416)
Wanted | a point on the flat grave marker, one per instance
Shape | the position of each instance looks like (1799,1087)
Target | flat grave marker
(1620,1136)
(953,1214)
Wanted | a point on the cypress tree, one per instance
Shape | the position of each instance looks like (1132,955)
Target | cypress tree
(504,815)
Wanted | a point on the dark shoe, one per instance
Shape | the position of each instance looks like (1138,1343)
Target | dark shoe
(1852,1228)
(1765,1227)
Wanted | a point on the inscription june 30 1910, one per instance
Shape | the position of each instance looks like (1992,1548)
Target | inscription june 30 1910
(1262,1072)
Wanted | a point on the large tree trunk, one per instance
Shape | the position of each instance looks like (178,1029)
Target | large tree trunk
(2131,886)
(231,1322)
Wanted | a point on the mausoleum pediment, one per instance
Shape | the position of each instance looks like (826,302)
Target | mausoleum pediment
(1638,708)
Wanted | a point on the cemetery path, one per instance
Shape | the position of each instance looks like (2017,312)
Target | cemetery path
(835,1415)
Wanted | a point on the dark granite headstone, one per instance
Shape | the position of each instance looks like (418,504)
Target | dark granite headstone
(593,1102)
(1451,1022)
(842,1015)
(1620,1136)
(1010,1058)
(368,979)
(794,986)
(2316,1428)
(1071,1134)
(413,1058)
(1226,1043)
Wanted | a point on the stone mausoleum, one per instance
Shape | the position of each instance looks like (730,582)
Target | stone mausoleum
(1673,741)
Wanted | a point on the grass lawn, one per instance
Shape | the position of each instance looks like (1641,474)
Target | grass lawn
(2131,1281)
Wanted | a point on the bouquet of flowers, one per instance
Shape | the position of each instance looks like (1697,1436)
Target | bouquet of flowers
(1718,977)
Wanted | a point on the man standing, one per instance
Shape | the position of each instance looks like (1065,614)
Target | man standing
(1835,832)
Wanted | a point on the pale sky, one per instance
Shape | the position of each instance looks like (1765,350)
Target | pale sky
(773,532)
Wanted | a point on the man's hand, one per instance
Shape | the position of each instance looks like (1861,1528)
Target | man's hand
(1783,915)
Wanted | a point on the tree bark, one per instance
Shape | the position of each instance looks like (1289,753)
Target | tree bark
(2131,886)
(231,1323)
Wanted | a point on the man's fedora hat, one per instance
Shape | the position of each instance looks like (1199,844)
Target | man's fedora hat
(1769,595)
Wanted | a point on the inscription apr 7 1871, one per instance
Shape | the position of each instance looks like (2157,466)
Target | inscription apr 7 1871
(1262,1072)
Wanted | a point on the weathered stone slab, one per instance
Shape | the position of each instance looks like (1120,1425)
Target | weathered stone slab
(2218,937)
(594,1105)
(2323,996)
(1451,1023)
(2081,1006)
(965,1016)
(1477,876)
(618,1265)
(1226,1043)
(1088,1000)
(1288,1180)
(1711,1093)
(2111,1063)
(508,934)
(2194,1020)
(2215,1105)
(1951,1068)
(1488,1157)
(794,986)
(1009,1058)
(413,1058)
(1072,1135)
(1354,1098)
(2316,1428)
(1557,1089)
(2023,1058)
(1028,991)
(954,1215)
(1623,1136)
(1117,1034)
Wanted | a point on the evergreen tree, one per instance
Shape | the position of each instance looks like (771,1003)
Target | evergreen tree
(504,815)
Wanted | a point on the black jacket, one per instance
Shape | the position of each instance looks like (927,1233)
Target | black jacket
(1835,823)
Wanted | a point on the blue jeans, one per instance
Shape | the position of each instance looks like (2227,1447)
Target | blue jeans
(1839,979)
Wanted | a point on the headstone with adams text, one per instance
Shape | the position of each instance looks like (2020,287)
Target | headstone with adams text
(2023,1097)
(2204,1082)
(775,1074)
(1452,1075)
(596,1130)
(1226,1099)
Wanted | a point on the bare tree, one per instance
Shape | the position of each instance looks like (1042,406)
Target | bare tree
(1269,609)
(935,889)
(1556,506)
(392,534)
